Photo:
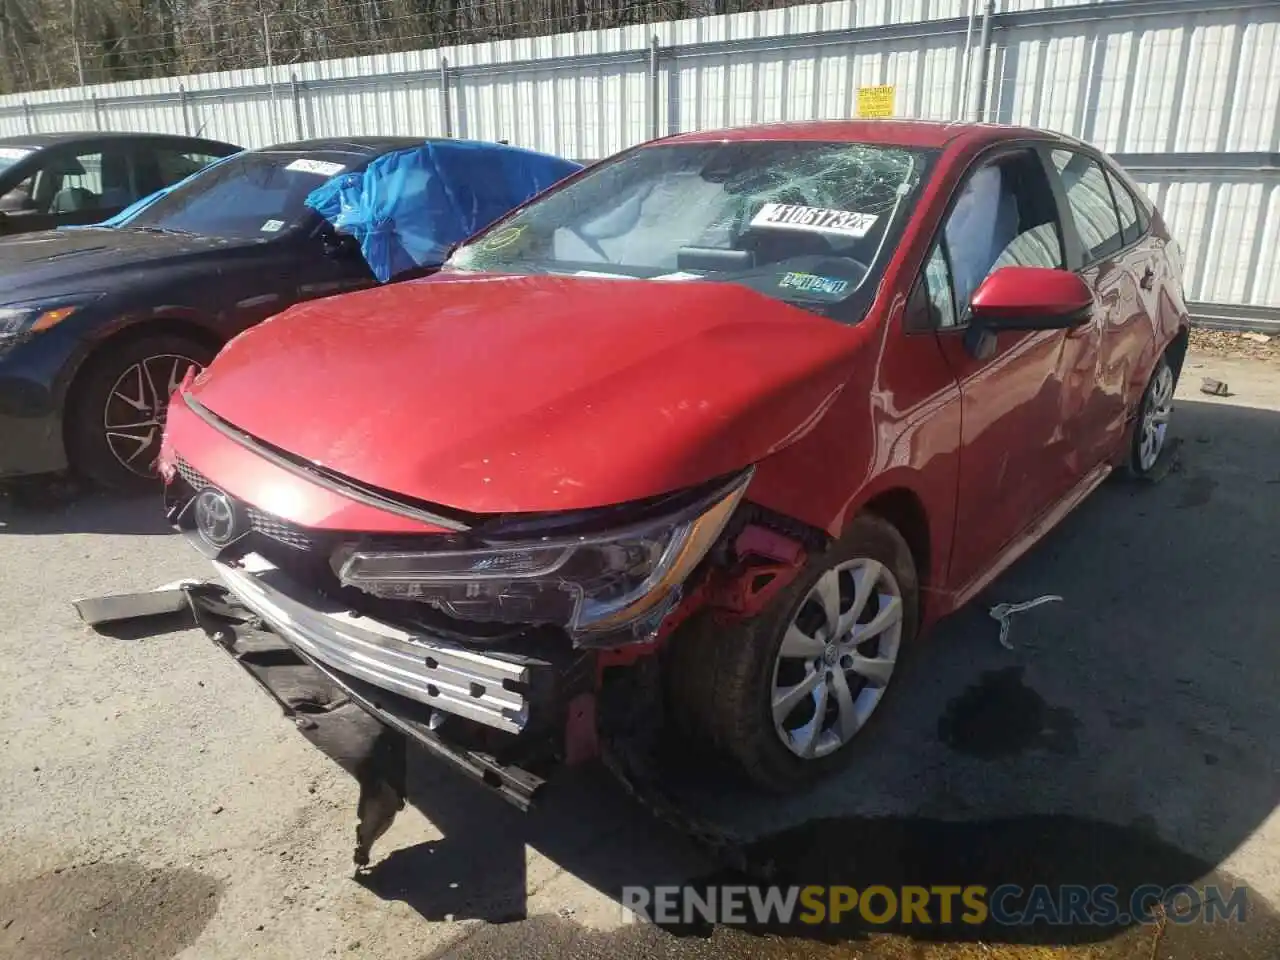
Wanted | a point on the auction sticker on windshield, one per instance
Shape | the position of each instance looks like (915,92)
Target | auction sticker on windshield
(790,216)
(812,283)
(14,153)
(321,168)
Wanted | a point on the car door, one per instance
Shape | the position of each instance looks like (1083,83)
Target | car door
(1018,431)
(1115,269)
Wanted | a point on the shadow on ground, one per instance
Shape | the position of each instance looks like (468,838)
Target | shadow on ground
(43,506)
(1128,739)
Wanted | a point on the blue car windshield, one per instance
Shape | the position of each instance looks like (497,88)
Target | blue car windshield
(251,196)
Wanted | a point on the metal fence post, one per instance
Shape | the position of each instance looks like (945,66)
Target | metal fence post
(295,89)
(97,112)
(186,113)
(655,80)
(29,116)
(445,106)
(984,62)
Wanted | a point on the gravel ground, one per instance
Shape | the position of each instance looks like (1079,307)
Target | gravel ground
(155,804)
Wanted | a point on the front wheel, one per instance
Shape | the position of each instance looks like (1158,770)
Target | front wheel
(785,695)
(116,417)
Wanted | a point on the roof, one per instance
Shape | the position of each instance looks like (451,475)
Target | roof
(42,140)
(360,146)
(901,133)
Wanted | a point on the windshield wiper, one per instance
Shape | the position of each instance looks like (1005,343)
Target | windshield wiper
(173,231)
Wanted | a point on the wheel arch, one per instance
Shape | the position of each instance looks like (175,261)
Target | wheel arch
(903,508)
(1176,351)
(142,329)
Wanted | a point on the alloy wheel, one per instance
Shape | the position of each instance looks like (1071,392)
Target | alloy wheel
(837,657)
(133,418)
(1155,418)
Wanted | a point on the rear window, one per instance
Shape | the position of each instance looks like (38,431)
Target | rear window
(1091,205)
(1130,224)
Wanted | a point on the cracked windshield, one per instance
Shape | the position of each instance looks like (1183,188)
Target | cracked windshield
(801,222)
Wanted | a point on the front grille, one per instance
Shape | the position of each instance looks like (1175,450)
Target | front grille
(287,533)
(194,479)
(282,531)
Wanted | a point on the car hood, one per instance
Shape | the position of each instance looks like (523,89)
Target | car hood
(526,394)
(68,261)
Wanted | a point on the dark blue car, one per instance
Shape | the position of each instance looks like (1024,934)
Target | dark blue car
(99,323)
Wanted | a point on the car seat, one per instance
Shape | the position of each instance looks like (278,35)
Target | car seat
(73,200)
(116,190)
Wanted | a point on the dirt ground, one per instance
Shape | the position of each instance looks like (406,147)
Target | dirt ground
(155,804)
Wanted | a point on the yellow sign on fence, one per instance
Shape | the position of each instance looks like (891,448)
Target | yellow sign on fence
(875,101)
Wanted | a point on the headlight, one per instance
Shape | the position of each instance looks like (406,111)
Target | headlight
(589,584)
(21,321)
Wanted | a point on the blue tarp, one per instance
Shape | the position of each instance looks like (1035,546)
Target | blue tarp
(406,209)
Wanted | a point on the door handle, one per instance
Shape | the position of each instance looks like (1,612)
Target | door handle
(1148,279)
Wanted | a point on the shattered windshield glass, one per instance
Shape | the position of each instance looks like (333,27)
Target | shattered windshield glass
(803,222)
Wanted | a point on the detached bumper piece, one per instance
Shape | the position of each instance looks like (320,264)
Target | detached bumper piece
(363,727)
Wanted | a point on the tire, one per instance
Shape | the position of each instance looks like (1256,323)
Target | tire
(723,682)
(1150,438)
(112,392)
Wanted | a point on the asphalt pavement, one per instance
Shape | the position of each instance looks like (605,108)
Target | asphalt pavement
(154,803)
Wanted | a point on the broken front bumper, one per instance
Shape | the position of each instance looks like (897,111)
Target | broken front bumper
(487,688)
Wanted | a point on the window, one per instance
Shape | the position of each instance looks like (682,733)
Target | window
(1003,216)
(73,183)
(174,166)
(1130,225)
(937,284)
(259,196)
(799,221)
(1091,205)
(11,156)
(18,199)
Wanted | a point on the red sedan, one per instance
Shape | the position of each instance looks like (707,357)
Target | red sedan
(736,412)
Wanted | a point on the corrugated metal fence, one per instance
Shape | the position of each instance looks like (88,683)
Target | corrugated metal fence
(1186,93)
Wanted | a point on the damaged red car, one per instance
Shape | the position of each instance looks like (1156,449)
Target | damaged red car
(705,435)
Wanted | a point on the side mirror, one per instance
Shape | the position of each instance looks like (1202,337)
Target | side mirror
(340,246)
(1032,298)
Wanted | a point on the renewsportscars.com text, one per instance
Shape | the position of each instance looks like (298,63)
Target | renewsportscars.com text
(1006,905)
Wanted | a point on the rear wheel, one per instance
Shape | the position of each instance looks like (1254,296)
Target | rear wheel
(785,695)
(116,418)
(1150,433)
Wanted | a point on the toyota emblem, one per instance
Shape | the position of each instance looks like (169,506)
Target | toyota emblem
(215,517)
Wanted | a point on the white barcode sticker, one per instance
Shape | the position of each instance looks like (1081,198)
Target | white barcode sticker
(790,216)
(321,168)
(14,153)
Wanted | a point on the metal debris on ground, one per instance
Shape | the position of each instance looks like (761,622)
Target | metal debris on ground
(1002,612)
(1215,388)
(169,598)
